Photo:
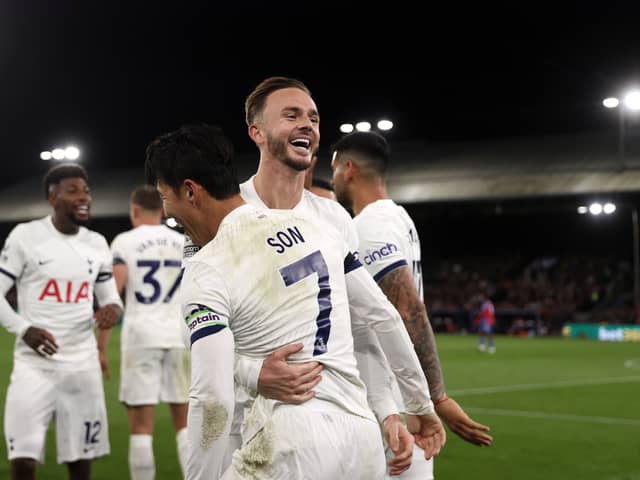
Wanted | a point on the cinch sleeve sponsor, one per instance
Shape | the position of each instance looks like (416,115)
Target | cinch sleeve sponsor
(203,321)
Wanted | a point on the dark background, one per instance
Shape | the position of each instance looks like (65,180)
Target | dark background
(110,76)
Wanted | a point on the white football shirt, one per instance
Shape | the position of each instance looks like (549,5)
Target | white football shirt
(388,240)
(370,311)
(316,207)
(276,278)
(153,256)
(55,276)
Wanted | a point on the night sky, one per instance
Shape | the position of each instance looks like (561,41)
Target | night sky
(109,77)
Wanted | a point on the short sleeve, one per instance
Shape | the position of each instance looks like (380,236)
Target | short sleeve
(12,257)
(380,249)
(105,271)
(118,251)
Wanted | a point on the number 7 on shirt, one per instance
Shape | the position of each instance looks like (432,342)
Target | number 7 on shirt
(300,270)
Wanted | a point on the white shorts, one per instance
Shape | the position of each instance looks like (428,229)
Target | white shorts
(152,375)
(304,444)
(420,469)
(74,398)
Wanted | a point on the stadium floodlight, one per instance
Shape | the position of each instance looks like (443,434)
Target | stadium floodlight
(385,125)
(611,102)
(363,126)
(346,128)
(630,104)
(46,155)
(609,208)
(632,100)
(582,209)
(71,153)
(171,222)
(58,153)
(595,208)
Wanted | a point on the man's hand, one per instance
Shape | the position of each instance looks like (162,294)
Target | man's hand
(400,442)
(104,364)
(428,433)
(460,423)
(41,341)
(107,316)
(289,383)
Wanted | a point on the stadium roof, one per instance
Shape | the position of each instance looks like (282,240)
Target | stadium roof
(467,88)
(527,167)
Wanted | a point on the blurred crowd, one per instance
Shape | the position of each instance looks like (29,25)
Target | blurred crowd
(533,296)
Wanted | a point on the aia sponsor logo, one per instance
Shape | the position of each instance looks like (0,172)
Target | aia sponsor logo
(65,291)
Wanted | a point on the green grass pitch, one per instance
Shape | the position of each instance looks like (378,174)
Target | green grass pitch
(558,409)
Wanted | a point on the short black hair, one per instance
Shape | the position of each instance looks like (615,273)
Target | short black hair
(322,183)
(61,171)
(147,197)
(201,153)
(371,147)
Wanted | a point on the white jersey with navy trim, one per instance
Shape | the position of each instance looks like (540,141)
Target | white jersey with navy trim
(370,311)
(320,208)
(388,240)
(55,276)
(287,286)
(153,256)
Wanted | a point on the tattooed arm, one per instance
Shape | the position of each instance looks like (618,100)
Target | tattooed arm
(400,289)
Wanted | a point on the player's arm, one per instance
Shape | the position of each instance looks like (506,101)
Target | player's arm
(273,377)
(8,317)
(39,339)
(211,400)
(109,301)
(368,304)
(399,287)
(12,263)
(373,368)
(104,334)
(211,395)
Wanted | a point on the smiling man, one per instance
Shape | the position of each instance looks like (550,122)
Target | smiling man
(262,279)
(284,123)
(57,266)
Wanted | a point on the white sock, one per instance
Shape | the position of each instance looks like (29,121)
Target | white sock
(183,448)
(141,462)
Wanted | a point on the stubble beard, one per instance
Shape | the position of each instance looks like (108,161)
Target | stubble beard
(79,222)
(278,149)
(342,196)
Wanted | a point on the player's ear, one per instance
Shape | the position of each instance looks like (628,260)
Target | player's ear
(52,195)
(190,189)
(256,134)
(350,168)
